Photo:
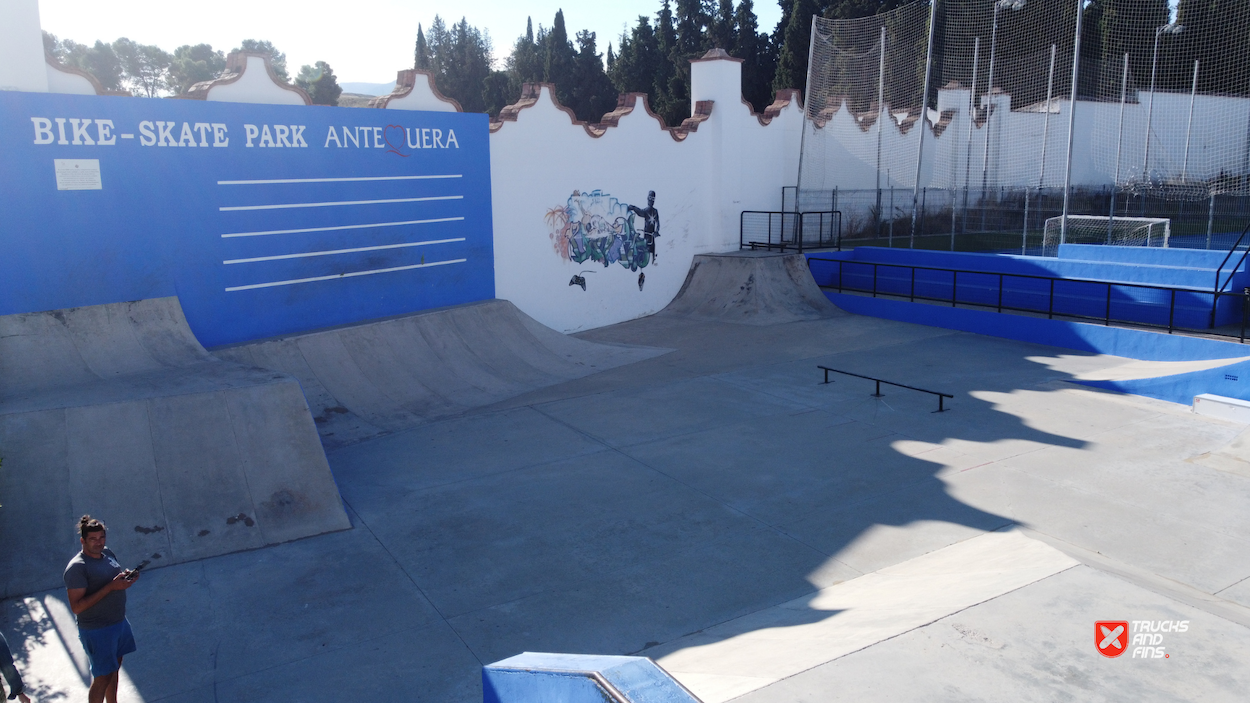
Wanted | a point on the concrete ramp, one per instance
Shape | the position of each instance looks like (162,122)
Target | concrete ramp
(751,288)
(117,411)
(367,380)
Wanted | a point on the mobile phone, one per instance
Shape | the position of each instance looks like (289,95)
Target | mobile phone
(133,574)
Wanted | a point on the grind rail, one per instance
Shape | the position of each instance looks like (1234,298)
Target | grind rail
(879,381)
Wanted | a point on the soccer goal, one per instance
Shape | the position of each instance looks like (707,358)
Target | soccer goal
(1101,229)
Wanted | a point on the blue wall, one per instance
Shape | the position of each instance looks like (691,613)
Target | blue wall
(1232,381)
(1192,272)
(262,219)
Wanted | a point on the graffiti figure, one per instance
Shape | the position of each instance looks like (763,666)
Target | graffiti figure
(650,224)
(594,226)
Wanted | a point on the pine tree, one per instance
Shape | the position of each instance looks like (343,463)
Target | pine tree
(277,59)
(190,65)
(320,83)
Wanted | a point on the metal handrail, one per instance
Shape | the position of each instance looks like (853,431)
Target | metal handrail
(800,240)
(879,381)
(1220,288)
(1229,255)
(1050,311)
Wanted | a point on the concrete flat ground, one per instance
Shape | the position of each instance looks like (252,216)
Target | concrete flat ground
(641,508)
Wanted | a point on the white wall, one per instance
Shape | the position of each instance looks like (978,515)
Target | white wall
(72,82)
(1218,143)
(731,163)
(414,90)
(21,47)
(255,85)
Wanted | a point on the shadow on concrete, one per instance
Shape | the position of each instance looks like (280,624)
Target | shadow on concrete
(609,514)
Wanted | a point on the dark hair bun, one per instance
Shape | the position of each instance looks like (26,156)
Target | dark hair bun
(86,524)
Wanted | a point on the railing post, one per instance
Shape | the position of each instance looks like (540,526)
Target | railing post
(1000,293)
(1172,312)
(874,280)
(1245,297)
(913,284)
(1107,322)
(1050,311)
(954,287)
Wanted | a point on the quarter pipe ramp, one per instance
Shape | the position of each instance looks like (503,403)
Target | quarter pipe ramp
(117,411)
(367,380)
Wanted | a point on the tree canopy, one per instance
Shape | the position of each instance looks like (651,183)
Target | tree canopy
(320,83)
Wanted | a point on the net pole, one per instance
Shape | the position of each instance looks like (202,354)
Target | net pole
(880,125)
(1067,175)
(1210,219)
(972,97)
(989,111)
(1189,130)
(1041,176)
(798,181)
(1119,146)
(1150,109)
(924,118)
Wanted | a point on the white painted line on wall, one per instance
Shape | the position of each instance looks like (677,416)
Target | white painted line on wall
(340,251)
(334,180)
(284,206)
(340,227)
(344,275)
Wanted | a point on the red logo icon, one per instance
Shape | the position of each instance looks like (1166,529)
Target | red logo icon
(1111,637)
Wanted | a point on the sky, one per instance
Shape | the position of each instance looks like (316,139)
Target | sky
(362,40)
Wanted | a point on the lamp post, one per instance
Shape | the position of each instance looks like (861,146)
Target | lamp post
(1169,28)
(989,90)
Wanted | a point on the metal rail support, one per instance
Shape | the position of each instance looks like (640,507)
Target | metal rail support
(878,394)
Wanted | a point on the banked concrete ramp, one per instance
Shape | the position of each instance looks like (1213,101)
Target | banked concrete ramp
(752,288)
(371,379)
(117,411)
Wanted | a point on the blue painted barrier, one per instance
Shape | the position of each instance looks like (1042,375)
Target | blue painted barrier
(1231,381)
(263,219)
(537,677)
(981,275)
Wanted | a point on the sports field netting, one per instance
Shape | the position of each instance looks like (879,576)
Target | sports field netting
(1161,126)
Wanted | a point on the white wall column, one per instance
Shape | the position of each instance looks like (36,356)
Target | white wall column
(22,64)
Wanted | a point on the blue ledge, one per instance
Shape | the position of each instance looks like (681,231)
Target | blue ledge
(538,677)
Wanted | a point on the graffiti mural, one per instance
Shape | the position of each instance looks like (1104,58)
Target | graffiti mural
(597,227)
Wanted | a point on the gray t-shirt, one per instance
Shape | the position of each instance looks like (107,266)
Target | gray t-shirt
(93,574)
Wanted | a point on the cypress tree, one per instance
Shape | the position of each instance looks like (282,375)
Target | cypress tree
(666,43)
(558,63)
(421,56)
(591,93)
(723,31)
(757,67)
(638,62)
(792,59)
(526,63)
